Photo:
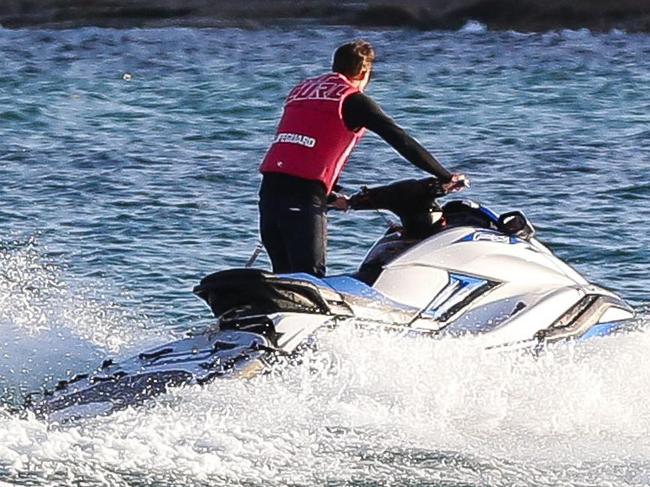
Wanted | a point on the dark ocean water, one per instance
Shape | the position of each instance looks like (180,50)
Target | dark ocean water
(128,170)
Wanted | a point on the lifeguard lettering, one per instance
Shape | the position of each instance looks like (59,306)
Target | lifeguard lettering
(318,89)
(295,139)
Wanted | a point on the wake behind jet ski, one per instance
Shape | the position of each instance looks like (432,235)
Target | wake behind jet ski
(452,270)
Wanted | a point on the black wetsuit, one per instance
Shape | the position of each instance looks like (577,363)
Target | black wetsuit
(293,220)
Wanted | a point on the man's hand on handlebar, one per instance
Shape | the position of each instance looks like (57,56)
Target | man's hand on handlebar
(338,201)
(399,197)
(458,182)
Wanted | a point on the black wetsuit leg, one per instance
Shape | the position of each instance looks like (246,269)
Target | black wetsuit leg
(293,223)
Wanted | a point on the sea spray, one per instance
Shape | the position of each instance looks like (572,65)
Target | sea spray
(388,408)
(50,329)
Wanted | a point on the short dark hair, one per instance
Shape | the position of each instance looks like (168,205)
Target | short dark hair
(352,58)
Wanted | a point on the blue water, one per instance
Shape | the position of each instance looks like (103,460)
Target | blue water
(128,170)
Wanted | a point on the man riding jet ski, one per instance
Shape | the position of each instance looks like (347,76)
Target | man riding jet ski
(323,120)
(448,271)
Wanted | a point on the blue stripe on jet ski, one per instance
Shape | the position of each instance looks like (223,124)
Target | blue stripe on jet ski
(457,290)
(489,213)
(603,329)
(467,280)
(476,237)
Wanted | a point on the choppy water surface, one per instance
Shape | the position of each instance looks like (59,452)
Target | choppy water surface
(117,193)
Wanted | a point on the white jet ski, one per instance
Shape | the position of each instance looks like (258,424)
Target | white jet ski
(446,271)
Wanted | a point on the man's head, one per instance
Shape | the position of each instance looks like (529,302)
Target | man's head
(354,61)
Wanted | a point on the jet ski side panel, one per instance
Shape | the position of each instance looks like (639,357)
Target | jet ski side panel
(492,255)
(514,322)
(414,285)
(564,314)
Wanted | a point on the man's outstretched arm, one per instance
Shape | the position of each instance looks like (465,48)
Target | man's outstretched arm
(360,111)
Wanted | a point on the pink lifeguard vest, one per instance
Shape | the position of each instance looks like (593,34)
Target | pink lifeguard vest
(312,141)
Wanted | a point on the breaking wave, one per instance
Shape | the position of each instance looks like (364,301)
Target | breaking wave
(473,27)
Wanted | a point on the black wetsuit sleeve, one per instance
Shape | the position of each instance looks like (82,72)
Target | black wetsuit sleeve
(360,111)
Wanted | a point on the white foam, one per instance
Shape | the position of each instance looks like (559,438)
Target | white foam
(363,408)
(578,34)
(367,406)
(50,330)
(473,27)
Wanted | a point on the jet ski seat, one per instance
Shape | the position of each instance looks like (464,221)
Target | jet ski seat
(255,291)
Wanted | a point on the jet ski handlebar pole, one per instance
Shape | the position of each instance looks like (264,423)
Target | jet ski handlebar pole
(256,253)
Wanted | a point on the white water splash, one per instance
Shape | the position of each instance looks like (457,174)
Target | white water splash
(366,408)
(50,330)
(573,34)
(473,27)
(373,408)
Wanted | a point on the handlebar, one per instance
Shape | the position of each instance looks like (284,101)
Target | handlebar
(412,200)
(403,198)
